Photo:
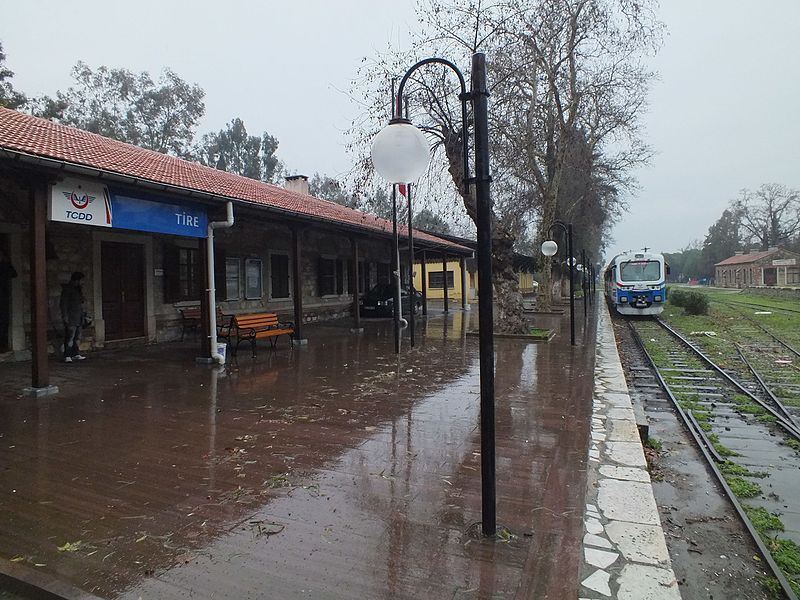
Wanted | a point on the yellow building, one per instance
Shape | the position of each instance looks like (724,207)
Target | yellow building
(523,266)
(435,280)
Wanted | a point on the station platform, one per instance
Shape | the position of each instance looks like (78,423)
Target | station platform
(332,470)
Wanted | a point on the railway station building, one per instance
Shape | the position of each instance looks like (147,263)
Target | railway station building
(774,267)
(135,223)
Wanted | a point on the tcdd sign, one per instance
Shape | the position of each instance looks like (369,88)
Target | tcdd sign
(91,203)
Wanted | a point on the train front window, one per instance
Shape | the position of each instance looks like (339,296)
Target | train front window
(640,270)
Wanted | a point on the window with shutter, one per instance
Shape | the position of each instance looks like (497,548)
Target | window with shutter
(279,275)
(351,278)
(326,277)
(340,277)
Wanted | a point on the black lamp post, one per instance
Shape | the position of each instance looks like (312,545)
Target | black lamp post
(412,300)
(584,284)
(549,248)
(400,153)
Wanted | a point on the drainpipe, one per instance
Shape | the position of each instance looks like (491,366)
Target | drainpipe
(212,304)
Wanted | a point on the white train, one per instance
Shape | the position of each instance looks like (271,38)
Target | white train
(636,283)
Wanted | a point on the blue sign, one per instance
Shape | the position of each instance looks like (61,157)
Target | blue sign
(129,212)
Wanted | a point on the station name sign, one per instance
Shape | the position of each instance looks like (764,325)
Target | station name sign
(92,203)
(784,262)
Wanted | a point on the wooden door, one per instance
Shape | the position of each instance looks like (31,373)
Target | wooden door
(770,276)
(123,290)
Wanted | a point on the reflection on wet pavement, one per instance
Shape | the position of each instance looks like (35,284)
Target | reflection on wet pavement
(333,470)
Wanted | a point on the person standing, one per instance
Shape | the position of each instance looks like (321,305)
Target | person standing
(7,273)
(72,316)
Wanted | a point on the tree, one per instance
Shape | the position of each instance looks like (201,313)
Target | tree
(575,108)
(233,150)
(159,115)
(685,264)
(771,214)
(328,188)
(722,241)
(9,98)
(567,89)
(428,220)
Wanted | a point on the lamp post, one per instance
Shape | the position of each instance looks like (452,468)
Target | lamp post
(400,154)
(584,283)
(397,309)
(412,300)
(549,248)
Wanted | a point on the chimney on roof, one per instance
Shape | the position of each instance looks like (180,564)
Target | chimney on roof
(738,252)
(297,183)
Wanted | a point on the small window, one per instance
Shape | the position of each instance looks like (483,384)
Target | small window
(279,275)
(436,280)
(326,277)
(252,271)
(233,278)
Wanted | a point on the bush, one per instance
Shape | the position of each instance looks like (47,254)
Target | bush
(677,296)
(695,303)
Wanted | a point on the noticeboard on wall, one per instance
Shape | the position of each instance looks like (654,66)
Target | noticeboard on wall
(252,277)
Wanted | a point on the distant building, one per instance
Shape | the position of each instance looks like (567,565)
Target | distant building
(764,268)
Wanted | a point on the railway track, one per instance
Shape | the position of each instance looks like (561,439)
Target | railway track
(748,435)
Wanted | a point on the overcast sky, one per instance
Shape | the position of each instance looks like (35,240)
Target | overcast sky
(721,118)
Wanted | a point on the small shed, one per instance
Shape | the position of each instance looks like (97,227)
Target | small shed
(774,267)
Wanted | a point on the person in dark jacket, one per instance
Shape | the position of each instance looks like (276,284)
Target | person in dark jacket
(72,316)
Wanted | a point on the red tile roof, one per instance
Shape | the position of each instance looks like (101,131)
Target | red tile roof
(38,137)
(740,259)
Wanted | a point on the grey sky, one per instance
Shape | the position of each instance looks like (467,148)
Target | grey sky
(721,117)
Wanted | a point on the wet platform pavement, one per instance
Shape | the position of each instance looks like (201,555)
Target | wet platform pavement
(333,470)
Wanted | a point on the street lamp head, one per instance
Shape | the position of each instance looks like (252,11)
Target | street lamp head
(549,248)
(571,261)
(400,152)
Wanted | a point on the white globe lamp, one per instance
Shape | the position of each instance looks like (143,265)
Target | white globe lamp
(549,248)
(400,152)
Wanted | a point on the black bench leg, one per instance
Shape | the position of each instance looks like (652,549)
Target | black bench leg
(253,343)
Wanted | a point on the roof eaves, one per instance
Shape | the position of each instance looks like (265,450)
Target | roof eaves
(119,177)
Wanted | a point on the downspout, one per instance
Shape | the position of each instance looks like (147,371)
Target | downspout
(212,304)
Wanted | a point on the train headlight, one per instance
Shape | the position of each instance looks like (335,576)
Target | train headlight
(623,299)
(656,298)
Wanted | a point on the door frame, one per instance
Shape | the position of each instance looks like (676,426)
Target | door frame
(98,237)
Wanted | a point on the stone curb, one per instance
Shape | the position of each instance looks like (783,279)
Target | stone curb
(624,550)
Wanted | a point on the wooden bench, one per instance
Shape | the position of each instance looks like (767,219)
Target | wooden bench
(255,327)
(190,319)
